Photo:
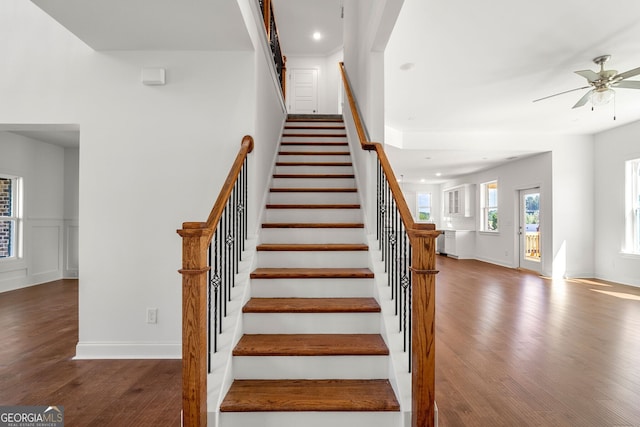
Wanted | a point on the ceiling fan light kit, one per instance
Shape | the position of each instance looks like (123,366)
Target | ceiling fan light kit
(601,84)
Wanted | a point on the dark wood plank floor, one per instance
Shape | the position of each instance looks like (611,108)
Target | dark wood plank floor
(38,335)
(513,349)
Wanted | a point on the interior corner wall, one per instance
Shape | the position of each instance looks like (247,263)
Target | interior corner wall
(151,158)
(71,232)
(41,166)
(612,149)
(573,167)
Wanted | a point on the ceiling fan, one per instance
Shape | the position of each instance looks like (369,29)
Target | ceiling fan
(601,83)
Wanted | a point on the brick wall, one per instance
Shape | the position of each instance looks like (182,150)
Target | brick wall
(5,211)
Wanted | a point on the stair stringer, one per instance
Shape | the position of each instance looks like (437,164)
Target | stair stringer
(221,376)
(398,368)
(261,214)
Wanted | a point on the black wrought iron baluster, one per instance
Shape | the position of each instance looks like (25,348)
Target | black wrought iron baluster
(409,304)
(229,242)
(209,314)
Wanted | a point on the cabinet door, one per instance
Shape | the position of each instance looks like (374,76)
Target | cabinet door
(451,206)
(456,202)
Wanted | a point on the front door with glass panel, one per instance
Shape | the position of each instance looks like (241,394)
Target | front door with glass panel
(530,247)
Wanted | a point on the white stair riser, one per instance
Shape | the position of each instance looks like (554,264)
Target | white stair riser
(312,235)
(315,157)
(312,288)
(313,146)
(309,130)
(313,198)
(311,419)
(315,138)
(314,169)
(311,323)
(315,215)
(313,259)
(365,367)
(313,183)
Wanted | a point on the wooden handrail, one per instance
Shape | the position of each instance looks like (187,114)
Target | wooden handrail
(422,238)
(268,16)
(246,147)
(196,237)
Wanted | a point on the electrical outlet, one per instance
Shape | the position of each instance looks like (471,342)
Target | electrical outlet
(152,315)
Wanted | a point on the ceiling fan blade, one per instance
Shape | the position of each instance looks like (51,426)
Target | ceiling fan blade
(628,74)
(591,76)
(628,84)
(561,93)
(583,100)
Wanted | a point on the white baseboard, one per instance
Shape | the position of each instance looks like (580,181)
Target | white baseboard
(127,350)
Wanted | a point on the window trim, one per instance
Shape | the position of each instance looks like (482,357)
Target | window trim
(485,207)
(17,216)
(418,206)
(631,244)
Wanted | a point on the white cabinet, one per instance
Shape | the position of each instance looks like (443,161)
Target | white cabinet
(459,243)
(459,201)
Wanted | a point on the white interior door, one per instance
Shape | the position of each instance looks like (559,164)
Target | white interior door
(530,230)
(304,91)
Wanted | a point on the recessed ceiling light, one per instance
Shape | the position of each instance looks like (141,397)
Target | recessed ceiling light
(438,173)
(422,180)
(317,35)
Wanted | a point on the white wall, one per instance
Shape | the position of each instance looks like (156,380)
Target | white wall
(42,167)
(150,159)
(612,149)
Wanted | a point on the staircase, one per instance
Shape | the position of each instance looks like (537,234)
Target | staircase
(312,354)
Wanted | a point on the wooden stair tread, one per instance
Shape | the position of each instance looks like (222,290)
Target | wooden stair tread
(314,153)
(313,225)
(315,127)
(311,345)
(314,164)
(313,175)
(313,190)
(312,247)
(310,206)
(311,273)
(311,305)
(310,395)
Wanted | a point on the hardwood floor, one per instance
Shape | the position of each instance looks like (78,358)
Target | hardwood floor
(513,349)
(38,335)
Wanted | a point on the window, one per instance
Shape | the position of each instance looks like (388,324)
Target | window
(423,207)
(632,223)
(489,200)
(10,216)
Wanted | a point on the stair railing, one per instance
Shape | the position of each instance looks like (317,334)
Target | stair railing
(279,60)
(211,252)
(408,250)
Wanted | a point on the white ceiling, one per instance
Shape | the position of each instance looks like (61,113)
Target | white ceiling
(297,20)
(152,24)
(474,68)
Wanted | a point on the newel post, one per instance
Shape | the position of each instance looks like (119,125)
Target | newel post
(423,355)
(194,323)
